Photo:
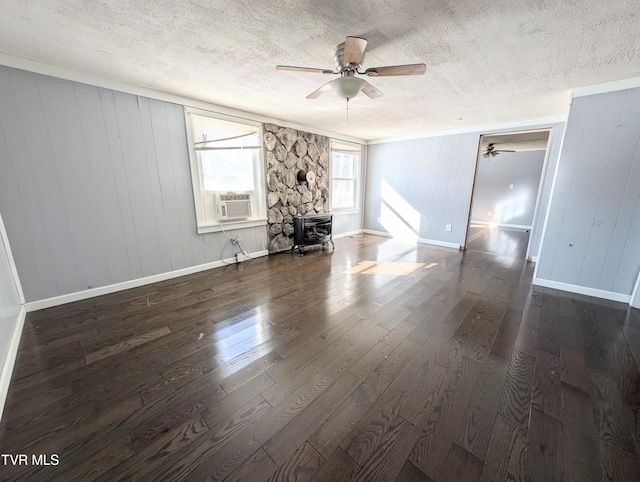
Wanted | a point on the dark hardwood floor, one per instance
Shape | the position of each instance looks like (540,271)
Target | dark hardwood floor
(379,361)
(510,242)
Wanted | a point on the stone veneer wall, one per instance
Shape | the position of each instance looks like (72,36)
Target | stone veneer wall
(288,151)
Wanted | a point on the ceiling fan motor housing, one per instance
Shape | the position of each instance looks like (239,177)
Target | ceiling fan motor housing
(338,59)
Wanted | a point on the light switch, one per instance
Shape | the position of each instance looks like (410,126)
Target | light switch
(447,227)
(510,186)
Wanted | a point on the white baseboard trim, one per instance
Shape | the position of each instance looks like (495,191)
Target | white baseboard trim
(10,359)
(434,242)
(419,240)
(348,233)
(125,285)
(502,225)
(377,233)
(582,290)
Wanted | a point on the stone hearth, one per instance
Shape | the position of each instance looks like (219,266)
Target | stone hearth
(288,151)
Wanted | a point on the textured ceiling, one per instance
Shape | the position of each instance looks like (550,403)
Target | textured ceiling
(487,62)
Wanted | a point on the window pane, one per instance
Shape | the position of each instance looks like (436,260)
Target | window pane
(343,194)
(227,153)
(342,166)
(225,157)
(227,170)
(219,131)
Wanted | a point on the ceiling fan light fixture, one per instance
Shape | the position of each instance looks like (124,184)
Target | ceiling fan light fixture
(347,87)
(349,59)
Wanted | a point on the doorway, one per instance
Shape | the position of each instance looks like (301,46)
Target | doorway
(506,191)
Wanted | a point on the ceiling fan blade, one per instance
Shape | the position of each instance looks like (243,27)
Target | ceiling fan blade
(370,91)
(502,150)
(354,50)
(303,69)
(317,93)
(410,69)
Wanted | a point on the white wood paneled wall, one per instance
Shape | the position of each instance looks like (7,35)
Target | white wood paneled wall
(593,231)
(95,186)
(346,223)
(434,175)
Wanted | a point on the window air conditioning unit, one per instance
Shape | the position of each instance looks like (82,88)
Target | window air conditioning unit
(233,206)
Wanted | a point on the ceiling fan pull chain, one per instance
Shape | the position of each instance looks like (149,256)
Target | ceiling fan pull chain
(347,111)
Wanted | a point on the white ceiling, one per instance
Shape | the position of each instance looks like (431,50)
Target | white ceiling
(487,62)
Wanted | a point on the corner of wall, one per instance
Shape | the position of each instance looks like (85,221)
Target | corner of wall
(17,315)
(10,358)
(635,296)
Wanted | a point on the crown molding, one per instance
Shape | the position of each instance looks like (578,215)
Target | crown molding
(606,87)
(90,79)
(527,124)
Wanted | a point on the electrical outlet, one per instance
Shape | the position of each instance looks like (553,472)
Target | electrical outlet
(510,186)
(378,220)
(447,227)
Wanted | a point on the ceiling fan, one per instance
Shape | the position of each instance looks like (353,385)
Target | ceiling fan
(348,60)
(491,151)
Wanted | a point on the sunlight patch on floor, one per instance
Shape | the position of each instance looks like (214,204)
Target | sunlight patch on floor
(476,235)
(391,268)
(360,267)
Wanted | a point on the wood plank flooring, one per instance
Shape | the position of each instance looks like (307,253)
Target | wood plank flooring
(378,361)
(510,242)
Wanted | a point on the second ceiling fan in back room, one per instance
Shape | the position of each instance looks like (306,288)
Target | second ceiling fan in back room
(492,151)
(348,59)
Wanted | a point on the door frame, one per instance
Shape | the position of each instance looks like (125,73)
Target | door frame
(543,173)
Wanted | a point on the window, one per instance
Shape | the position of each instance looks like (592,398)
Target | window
(226,170)
(345,166)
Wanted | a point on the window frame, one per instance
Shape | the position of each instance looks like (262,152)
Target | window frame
(346,148)
(258,197)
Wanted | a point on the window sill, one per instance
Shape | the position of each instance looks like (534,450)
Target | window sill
(231,225)
(340,212)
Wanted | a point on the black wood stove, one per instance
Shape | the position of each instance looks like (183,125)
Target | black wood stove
(314,229)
